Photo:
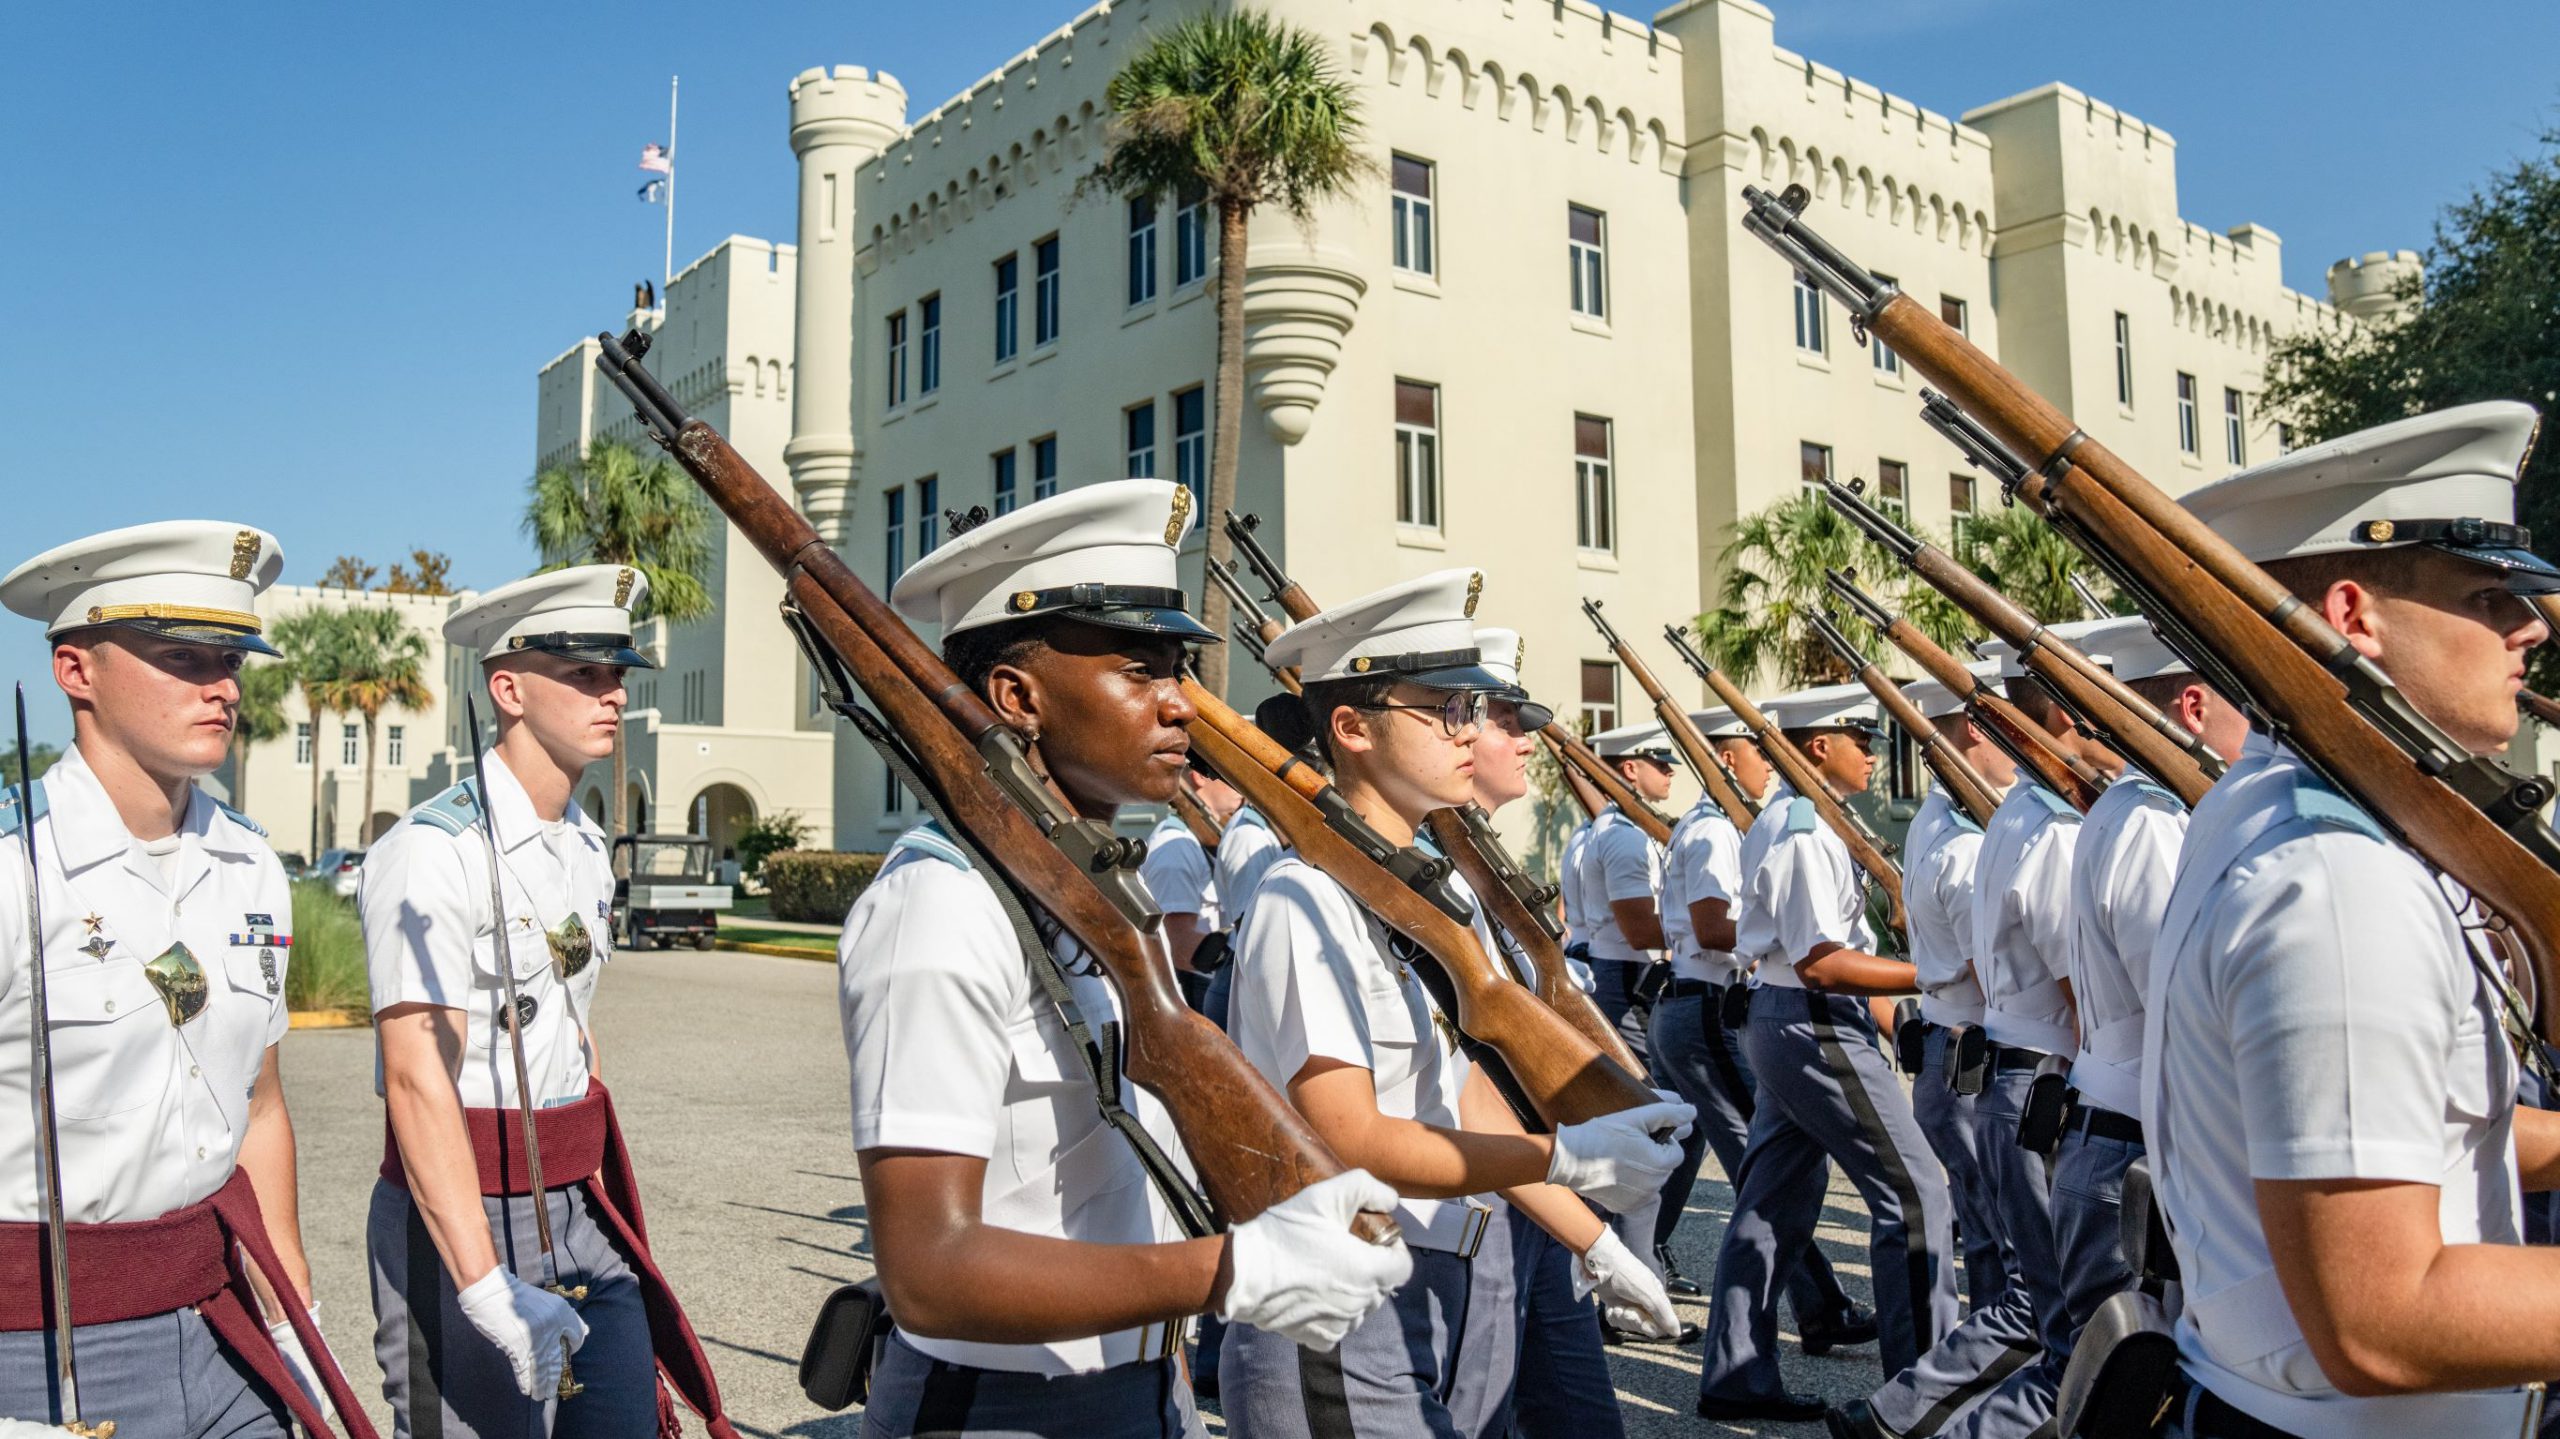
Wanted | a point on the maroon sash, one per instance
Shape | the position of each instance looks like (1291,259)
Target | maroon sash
(188,1258)
(582,1144)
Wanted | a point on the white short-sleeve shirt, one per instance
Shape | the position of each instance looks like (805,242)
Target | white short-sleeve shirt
(1800,890)
(1705,863)
(1246,851)
(2121,872)
(2314,1014)
(1618,862)
(1178,872)
(1577,908)
(954,1050)
(425,900)
(1317,977)
(2022,920)
(150,1112)
(1942,848)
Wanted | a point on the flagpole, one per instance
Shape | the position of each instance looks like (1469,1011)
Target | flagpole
(670,276)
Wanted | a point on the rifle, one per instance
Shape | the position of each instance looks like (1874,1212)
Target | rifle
(1964,784)
(1584,792)
(2146,736)
(1250,1148)
(57,1233)
(2464,814)
(1611,785)
(2541,706)
(1292,599)
(1677,724)
(1254,626)
(1525,910)
(2007,725)
(1791,762)
(1195,816)
(2089,600)
(1563,1076)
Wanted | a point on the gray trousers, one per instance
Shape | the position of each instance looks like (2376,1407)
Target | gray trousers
(163,1377)
(2006,1337)
(1434,1362)
(1702,1061)
(1826,1090)
(916,1396)
(1948,1119)
(444,1381)
(1563,1390)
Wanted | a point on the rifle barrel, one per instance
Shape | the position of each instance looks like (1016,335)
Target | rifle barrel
(57,1234)
(1676,723)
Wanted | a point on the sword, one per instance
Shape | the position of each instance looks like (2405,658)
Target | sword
(57,1239)
(570,1388)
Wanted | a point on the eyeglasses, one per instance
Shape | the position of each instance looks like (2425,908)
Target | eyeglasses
(1463,709)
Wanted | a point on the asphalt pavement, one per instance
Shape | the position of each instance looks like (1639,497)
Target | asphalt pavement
(729,1073)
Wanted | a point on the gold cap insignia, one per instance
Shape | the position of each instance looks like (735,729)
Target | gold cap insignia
(1360,666)
(2379,531)
(1475,588)
(244,553)
(1023,600)
(622,588)
(1520,653)
(1181,513)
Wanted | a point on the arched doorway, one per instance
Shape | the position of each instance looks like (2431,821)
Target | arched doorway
(639,810)
(379,825)
(720,813)
(593,803)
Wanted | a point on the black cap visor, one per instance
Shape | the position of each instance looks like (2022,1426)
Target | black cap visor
(1453,677)
(1146,619)
(2526,572)
(195,632)
(588,649)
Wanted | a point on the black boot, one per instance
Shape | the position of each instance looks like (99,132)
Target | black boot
(1675,1283)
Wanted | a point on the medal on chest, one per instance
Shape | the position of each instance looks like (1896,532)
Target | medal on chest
(572,947)
(97,946)
(181,982)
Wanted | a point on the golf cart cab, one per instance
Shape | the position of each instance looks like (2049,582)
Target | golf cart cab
(663,891)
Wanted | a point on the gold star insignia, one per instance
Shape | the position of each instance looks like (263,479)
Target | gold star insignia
(90,923)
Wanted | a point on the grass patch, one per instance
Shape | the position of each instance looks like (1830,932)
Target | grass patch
(787,938)
(327,969)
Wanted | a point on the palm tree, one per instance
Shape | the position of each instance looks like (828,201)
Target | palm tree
(310,642)
(259,719)
(382,663)
(2015,549)
(1773,577)
(615,506)
(1244,111)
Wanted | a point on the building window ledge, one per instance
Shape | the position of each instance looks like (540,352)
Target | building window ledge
(1421,537)
(1892,380)
(1187,294)
(1048,351)
(1418,284)
(1002,370)
(1596,560)
(893,416)
(1589,325)
(1143,311)
(927,403)
(1813,361)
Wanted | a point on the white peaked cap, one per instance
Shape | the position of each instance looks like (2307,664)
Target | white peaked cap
(1421,629)
(582,613)
(1936,701)
(1103,553)
(194,580)
(1720,723)
(2446,479)
(1501,651)
(1825,707)
(2135,651)
(1633,741)
(2077,632)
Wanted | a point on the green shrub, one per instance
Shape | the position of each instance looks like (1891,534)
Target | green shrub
(326,969)
(768,835)
(817,886)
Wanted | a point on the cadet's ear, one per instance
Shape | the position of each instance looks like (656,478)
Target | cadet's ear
(506,691)
(75,669)
(1348,731)
(2348,606)
(1014,693)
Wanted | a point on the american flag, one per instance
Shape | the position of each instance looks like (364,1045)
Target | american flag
(654,158)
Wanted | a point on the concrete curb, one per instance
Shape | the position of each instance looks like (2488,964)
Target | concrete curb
(779,951)
(327,1019)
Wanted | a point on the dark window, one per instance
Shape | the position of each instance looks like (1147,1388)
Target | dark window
(1006,498)
(1142,249)
(1008,306)
(928,344)
(897,367)
(928,514)
(1417,453)
(1880,354)
(1191,444)
(1412,215)
(1809,316)
(1952,310)
(2234,440)
(2189,438)
(1138,423)
(1190,241)
(2124,358)
(1595,494)
(1044,291)
(1586,246)
(1599,695)
(1044,467)
(893,528)
(1893,481)
(1813,463)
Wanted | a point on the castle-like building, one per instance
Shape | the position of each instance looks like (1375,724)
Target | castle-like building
(1536,339)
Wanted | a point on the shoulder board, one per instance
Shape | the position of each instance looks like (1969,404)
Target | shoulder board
(1423,841)
(2314,800)
(1247,818)
(927,839)
(242,820)
(2053,803)
(10,819)
(1802,817)
(2160,793)
(453,811)
(1964,822)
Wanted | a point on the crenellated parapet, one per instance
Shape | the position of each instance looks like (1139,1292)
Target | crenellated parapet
(1608,81)
(2379,285)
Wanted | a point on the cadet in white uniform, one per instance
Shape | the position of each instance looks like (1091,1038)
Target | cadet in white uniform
(1825,1087)
(1697,1053)
(1181,874)
(1326,1006)
(471,1338)
(1039,1281)
(2021,955)
(1619,873)
(2329,1094)
(167,932)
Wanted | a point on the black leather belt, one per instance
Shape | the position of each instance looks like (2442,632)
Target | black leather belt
(2217,1419)
(2102,1123)
(1693,989)
(2005,1057)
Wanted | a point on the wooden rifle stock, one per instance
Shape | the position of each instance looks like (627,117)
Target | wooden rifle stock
(1500,884)
(1965,785)
(1250,1148)
(1800,775)
(2541,706)
(1563,1075)
(1613,787)
(2461,813)
(1676,723)
(1195,815)
(1584,792)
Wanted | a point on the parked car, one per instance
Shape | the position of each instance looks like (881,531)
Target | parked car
(295,866)
(339,867)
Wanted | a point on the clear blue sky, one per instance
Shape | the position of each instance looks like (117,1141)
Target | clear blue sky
(296,264)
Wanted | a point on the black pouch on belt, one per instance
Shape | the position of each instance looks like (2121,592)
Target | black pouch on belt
(1910,1036)
(1735,1009)
(2123,1380)
(1968,1059)
(1651,981)
(835,1365)
(2048,1105)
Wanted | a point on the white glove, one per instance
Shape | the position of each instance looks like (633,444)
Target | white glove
(297,1360)
(535,1328)
(29,1429)
(1583,978)
(1617,1161)
(1298,1271)
(1631,1297)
